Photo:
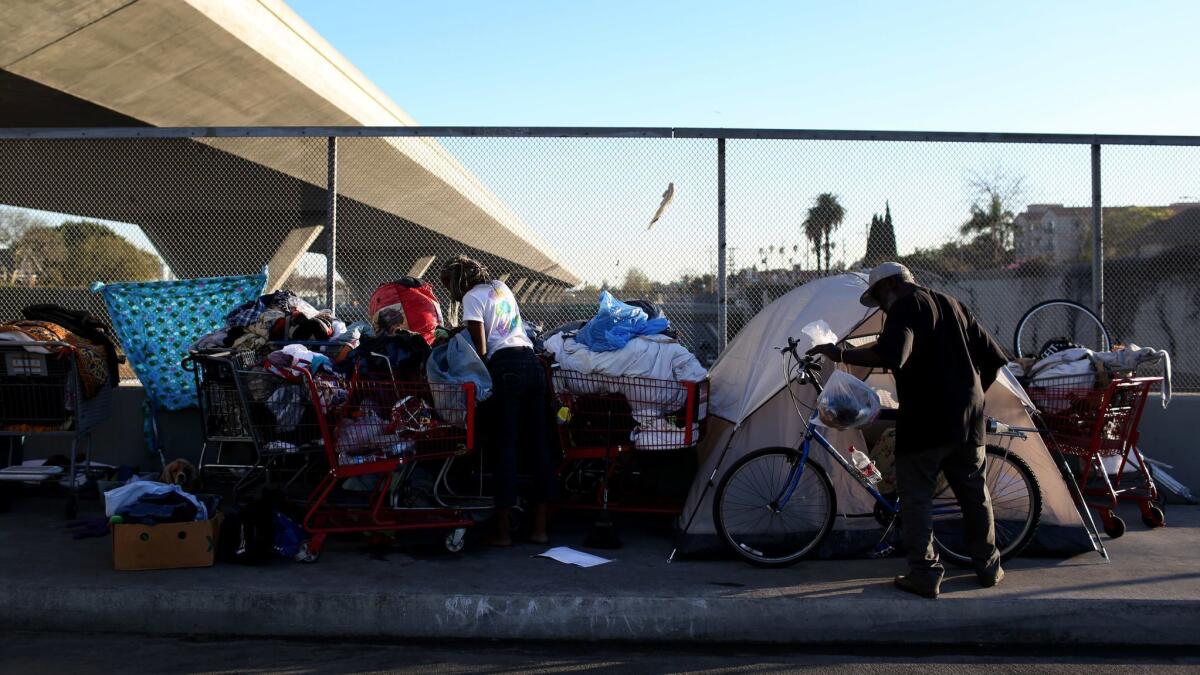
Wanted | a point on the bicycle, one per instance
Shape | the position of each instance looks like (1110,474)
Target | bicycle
(775,505)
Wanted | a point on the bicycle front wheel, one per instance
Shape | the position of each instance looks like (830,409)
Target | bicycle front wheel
(750,518)
(1016,508)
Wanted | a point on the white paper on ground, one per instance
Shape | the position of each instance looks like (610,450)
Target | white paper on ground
(570,556)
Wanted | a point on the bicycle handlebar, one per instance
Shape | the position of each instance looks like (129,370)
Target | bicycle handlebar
(806,362)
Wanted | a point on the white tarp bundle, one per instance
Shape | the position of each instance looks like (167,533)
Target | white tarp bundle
(749,408)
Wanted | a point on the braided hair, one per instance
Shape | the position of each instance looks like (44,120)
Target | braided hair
(462,274)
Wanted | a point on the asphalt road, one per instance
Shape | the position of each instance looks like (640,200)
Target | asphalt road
(26,653)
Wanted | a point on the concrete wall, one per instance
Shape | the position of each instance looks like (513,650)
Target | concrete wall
(1170,436)
(1151,302)
(119,440)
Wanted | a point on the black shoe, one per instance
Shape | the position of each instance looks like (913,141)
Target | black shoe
(988,578)
(904,583)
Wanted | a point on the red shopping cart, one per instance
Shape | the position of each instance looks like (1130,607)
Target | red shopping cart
(1092,417)
(389,446)
(628,442)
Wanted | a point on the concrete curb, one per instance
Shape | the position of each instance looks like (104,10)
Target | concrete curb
(732,620)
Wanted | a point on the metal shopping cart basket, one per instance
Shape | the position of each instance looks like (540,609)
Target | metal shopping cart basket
(388,444)
(1093,418)
(41,394)
(628,442)
(233,389)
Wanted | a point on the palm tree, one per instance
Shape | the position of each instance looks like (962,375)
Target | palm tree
(992,219)
(812,232)
(825,216)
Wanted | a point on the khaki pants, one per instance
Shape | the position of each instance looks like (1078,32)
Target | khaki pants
(916,479)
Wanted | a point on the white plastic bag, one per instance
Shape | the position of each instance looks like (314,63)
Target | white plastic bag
(820,333)
(847,402)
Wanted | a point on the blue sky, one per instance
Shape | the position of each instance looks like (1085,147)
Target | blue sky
(1062,66)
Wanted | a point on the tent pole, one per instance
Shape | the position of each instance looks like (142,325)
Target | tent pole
(703,493)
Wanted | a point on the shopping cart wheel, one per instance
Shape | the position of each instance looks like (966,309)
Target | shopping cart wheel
(456,540)
(1114,527)
(72,510)
(1152,515)
(306,554)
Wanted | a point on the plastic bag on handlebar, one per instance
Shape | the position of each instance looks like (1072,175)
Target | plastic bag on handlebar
(820,333)
(847,402)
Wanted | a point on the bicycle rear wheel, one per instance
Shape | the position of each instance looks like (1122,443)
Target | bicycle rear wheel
(1016,507)
(750,521)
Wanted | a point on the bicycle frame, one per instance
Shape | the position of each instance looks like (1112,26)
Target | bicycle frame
(793,482)
(811,434)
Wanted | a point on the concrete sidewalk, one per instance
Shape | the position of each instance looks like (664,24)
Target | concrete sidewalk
(1149,594)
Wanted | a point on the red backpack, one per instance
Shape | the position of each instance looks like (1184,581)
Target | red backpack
(407,303)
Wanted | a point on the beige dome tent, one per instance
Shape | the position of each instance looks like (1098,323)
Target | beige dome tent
(749,408)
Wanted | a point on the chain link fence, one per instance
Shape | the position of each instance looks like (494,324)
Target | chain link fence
(1000,222)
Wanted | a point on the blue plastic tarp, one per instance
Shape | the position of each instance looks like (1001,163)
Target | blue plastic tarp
(616,323)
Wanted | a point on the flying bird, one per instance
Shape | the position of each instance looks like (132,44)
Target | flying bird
(666,199)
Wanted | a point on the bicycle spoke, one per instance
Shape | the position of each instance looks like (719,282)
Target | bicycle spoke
(760,528)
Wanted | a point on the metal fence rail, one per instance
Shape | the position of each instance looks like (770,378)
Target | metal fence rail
(1000,220)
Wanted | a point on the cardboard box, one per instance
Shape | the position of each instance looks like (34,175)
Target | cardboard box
(167,546)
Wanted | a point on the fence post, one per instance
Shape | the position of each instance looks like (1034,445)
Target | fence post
(1097,237)
(331,226)
(722,290)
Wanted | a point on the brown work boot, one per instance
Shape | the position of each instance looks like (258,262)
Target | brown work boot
(906,583)
(989,577)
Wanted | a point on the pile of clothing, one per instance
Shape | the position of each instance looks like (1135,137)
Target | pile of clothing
(400,355)
(1086,368)
(393,346)
(147,502)
(97,360)
(281,316)
(617,351)
(280,384)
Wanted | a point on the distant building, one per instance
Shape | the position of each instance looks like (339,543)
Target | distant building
(1052,231)
(1058,233)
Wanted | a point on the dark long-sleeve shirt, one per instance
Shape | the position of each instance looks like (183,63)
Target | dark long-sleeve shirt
(943,361)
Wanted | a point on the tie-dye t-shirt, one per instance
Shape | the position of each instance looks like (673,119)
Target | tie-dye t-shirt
(494,305)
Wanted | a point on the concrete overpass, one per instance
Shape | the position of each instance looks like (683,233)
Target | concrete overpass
(218,206)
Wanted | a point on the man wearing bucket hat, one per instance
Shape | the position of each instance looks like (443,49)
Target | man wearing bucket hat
(943,362)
